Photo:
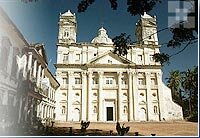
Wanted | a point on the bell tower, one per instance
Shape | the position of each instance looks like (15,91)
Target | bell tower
(146,30)
(67,28)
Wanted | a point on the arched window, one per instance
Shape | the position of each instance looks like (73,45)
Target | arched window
(155,109)
(125,109)
(95,109)
(63,109)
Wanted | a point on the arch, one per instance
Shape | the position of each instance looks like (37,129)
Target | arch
(76,103)
(142,114)
(63,110)
(76,114)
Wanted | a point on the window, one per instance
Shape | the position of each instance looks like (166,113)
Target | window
(77,57)
(124,81)
(94,80)
(65,81)
(153,81)
(65,57)
(95,109)
(66,34)
(109,80)
(151,58)
(139,58)
(63,110)
(77,81)
(141,81)
(110,61)
(155,109)
(125,109)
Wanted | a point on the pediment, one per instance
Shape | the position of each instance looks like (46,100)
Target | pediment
(110,58)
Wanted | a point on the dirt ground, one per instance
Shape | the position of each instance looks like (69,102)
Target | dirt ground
(175,128)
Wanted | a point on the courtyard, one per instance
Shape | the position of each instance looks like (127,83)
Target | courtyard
(173,128)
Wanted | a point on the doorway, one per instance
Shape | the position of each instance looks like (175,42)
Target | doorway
(109,111)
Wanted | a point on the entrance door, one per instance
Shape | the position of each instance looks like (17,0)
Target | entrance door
(109,113)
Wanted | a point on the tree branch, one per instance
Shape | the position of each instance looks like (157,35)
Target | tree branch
(183,48)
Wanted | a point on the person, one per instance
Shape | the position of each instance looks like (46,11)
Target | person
(118,128)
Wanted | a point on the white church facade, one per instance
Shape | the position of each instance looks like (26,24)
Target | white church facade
(97,85)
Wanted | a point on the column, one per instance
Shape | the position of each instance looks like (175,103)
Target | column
(35,69)
(149,101)
(100,110)
(135,97)
(119,100)
(89,94)
(84,107)
(130,96)
(38,75)
(69,96)
(30,58)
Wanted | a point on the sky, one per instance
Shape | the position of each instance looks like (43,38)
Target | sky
(38,22)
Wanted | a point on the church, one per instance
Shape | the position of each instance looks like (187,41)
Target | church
(99,86)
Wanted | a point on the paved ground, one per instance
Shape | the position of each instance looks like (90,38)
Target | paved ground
(176,128)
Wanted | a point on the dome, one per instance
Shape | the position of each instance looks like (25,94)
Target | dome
(102,37)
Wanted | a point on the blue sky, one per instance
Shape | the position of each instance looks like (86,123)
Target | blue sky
(38,22)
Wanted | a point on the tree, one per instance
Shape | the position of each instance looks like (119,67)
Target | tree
(184,87)
(121,44)
(174,83)
(190,85)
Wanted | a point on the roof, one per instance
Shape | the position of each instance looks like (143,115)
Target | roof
(146,15)
(68,13)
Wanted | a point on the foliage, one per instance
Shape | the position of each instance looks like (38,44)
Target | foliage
(184,87)
(190,85)
(134,6)
(121,44)
(180,35)
(161,57)
(174,82)
(83,5)
(140,6)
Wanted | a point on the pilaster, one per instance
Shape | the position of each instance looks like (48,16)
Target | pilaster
(70,96)
(149,100)
(84,97)
(119,100)
(100,100)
